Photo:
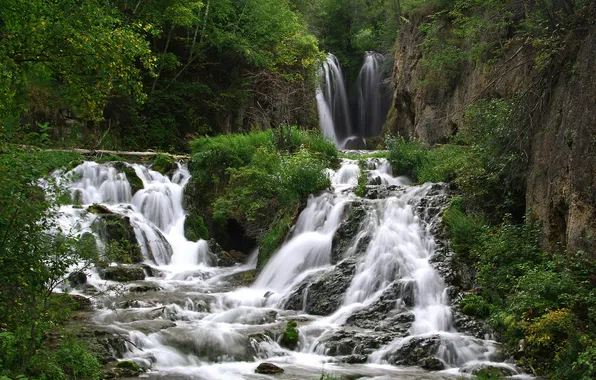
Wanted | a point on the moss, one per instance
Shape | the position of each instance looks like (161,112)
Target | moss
(274,239)
(289,338)
(128,364)
(135,182)
(98,209)
(195,229)
(109,158)
(163,164)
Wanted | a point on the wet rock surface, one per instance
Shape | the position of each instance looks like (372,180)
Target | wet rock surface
(342,342)
(122,273)
(268,369)
(323,294)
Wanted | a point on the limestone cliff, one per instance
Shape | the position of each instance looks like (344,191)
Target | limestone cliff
(561,181)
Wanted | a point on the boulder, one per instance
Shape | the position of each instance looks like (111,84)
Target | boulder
(268,369)
(122,273)
(324,293)
(77,278)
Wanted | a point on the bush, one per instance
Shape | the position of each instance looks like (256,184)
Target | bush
(406,157)
(464,230)
(475,306)
(289,339)
(422,164)
(260,180)
(505,254)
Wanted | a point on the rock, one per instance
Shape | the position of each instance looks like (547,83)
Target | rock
(223,258)
(115,229)
(383,314)
(194,228)
(492,372)
(144,288)
(354,143)
(354,359)
(133,179)
(324,293)
(98,209)
(431,364)
(414,351)
(347,232)
(348,342)
(268,369)
(122,273)
(164,164)
(289,339)
(241,279)
(128,364)
(77,278)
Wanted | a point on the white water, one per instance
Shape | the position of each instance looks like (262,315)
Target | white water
(198,326)
(155,212)
(370,96)
(332,102)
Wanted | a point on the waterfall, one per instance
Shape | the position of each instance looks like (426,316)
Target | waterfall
(332,101)
(371,99)
(356,273)
(154,212)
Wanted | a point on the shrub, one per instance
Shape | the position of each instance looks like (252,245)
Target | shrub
(289,338)
(464,230)
(475,306)
(406,157)
(257,184)
(505,254)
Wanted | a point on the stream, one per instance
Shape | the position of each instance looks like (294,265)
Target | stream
(357,274)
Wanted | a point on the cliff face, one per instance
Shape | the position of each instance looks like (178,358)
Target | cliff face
(561,184)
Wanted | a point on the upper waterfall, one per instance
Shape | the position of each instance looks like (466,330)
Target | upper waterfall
(349,127)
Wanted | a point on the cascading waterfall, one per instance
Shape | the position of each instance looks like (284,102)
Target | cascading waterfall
(154,212)
(371,100)
(351,292)
(333,103)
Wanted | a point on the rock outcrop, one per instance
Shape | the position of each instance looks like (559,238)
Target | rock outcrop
(561,179)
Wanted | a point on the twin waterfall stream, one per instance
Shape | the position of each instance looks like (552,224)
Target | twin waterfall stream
(355,273)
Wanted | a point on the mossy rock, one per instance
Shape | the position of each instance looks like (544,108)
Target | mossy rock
(374,143)
(268,369)
(133,179)
(195,229)
(98,209)
(289,338)
(163,164)
(128,364)
(123,273)
(118,234)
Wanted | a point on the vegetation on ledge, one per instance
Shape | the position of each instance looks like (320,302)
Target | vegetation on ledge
(249,188)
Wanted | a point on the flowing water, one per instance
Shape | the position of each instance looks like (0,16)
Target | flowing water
(371,101)
(333,102)
(355,273)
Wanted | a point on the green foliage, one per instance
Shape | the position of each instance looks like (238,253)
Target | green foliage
(71,360)
(259,180)
(506,253)
(33,257)
(414,159)
(360,189)
(406,157)
(163,163)
(475,306)
(464,230)
(289,339)
(67,48)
